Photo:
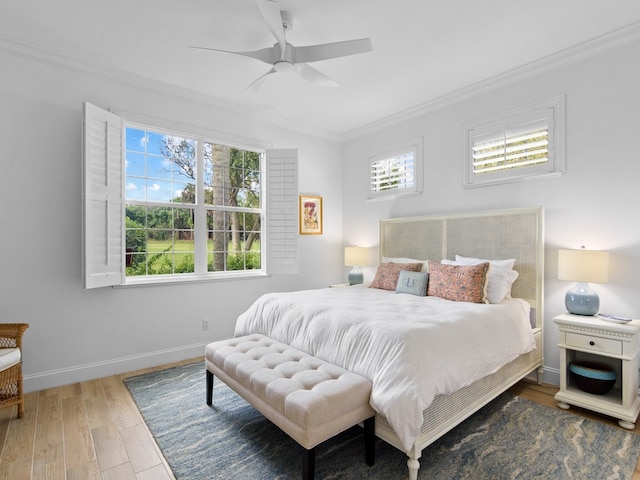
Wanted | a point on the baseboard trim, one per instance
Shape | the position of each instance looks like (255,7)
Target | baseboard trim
(92,371)
(551,376)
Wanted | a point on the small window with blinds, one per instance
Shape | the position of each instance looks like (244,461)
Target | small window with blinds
(396,170)
(519,144)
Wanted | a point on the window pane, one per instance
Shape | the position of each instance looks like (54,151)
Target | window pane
(184,192)
(181,155)
(234,241)
(158,167)
(135,164)
(232,177)
(159,191)
(159,217)
(218,240)
(166,162)
(135,188)
(159,240)
(154,143)
(136,140)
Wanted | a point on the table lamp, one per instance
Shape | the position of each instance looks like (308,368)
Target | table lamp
(584,267)
(355,257)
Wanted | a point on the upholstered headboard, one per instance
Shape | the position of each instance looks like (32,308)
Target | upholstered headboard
(495,234)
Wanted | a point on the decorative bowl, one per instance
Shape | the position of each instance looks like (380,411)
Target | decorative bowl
(592,377)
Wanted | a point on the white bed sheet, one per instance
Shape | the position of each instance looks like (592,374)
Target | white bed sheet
(411,348)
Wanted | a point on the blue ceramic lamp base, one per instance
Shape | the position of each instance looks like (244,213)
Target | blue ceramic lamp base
(355,276)
(582,300)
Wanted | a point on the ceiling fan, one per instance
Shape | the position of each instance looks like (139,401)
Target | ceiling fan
(284,57)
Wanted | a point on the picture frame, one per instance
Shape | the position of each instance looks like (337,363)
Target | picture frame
(311,215)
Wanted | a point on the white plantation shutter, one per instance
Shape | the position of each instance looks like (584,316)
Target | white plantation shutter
(282,210)
(396,169)
(396,173)
(524,142)
(103,205)
(512,149)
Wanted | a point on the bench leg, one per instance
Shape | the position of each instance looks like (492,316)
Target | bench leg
(370,440)
(309,464)
(209,387)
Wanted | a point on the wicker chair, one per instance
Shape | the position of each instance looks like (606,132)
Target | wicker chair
(11,365)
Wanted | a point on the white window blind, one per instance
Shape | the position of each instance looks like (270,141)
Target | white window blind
(103,205)
(282,204)
(511,150)
(523,143)
(396,170)
(394,173)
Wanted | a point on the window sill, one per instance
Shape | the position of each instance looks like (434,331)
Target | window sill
(393,196)
(166,280)
(515,179)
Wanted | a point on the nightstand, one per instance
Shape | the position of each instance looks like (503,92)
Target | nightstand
(339,285)
(584,338)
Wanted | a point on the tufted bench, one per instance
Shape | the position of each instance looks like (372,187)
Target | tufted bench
(309,399)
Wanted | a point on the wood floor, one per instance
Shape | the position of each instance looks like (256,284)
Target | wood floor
(93,430)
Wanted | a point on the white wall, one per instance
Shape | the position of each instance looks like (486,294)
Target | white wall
(79,334)
(595,203)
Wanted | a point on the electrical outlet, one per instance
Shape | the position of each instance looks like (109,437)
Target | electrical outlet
(205,324)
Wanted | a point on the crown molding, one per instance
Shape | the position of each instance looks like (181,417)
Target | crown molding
(603,43)
(64,62)
(595,46)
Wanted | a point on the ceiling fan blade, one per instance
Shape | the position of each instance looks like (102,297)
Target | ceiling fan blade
(257,83)
(311,74)
(326,51)
(271,13)
(264,54)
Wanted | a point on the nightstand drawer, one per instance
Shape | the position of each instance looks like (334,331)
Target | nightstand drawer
(597,344)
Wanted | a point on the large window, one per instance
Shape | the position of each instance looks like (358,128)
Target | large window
(171,181)
(524,143)
(161,206)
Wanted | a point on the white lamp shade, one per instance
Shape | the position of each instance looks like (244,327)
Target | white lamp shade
(356,256)
(589,266)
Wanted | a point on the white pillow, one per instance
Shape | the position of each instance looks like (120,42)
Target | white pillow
(498,263)
(425,263)
(500,276)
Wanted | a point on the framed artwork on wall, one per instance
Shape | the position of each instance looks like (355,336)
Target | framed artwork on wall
(310,215)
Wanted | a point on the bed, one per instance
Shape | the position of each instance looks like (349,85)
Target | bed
(433,361)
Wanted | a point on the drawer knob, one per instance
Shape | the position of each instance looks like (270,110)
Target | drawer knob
(592,343)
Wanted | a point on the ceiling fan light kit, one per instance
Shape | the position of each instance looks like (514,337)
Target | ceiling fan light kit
(285,58)
(283,66)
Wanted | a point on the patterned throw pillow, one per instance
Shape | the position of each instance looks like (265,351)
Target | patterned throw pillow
(500,276)
(460,283)
(388,273)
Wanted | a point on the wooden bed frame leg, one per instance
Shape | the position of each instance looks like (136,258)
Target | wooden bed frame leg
(209,387)
(414,466)
(540,373)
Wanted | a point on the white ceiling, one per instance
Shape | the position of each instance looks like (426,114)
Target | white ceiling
(422,49)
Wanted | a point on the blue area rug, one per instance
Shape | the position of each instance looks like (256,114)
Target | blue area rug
(511,438)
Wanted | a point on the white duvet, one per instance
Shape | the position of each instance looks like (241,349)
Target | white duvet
(411,348)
